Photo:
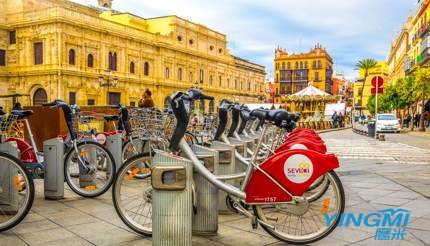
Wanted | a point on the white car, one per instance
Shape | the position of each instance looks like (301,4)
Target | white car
(387,123)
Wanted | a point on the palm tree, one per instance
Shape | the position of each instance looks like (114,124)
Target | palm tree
(365,65)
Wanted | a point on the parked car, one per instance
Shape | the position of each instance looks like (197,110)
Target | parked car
(387,123)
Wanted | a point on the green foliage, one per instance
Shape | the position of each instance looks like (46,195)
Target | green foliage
(365,65)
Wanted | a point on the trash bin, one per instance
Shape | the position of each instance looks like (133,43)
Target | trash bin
(371,128)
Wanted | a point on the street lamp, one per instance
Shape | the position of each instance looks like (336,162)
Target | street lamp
(108,82)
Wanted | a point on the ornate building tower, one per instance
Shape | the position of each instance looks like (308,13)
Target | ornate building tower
(105,3)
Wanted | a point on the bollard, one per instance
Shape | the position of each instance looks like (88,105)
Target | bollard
(114,145)
(171,200)
(227,162)
(205,218)
(8,197)
(53,150)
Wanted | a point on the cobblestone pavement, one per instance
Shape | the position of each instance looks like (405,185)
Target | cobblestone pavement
(376,175)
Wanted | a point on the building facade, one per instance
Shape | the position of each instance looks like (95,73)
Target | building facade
(398,54)
(418,51)
(293,72)
(96,56)
(361,101)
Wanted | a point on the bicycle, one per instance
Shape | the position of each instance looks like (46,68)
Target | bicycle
(275,196)
(82,156)
(16,187)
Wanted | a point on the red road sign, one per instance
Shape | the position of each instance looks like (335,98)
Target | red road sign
(378,79)
(380,90)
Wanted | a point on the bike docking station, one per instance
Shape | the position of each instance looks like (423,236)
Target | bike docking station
(205,217)
(227,165)
(53,150)
(172,207)
(114,145)
(9,196)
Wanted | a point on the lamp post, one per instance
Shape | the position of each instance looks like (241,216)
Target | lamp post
(105,81)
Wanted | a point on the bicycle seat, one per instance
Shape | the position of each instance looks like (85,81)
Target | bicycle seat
(260,114)
(22,113)
(278,115)
(109,118)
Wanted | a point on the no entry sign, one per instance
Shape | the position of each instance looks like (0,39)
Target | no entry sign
(377,83)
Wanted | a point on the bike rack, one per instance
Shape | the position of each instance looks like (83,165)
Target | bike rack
(227,163)
(53,150)
(171,200)
(114,145)
(8,195)
(88,179)
(205,218)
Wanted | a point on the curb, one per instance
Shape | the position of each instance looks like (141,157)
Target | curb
(333,130)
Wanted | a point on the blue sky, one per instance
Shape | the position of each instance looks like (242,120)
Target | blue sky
(349,29)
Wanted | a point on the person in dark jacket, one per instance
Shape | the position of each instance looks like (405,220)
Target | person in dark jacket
(334,119)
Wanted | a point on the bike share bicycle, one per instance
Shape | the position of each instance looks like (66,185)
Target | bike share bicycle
(81,160)
(16,185)
(275,188)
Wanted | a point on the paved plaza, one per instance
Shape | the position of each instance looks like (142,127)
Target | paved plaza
(376,175)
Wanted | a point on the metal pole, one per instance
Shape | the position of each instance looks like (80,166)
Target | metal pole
(376,106)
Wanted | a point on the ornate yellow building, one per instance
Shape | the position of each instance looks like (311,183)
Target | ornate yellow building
(379,70)
(293,72)
(95,55)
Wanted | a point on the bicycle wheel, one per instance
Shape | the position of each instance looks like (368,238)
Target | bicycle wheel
(16,192)
(305,223)
(132,147)
(132,196)
(94,181)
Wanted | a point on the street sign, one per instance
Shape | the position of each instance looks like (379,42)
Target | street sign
(380,91)
(378,80)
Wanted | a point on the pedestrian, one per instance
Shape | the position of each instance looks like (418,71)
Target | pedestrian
(17,106)
(407,120)
(340,119)
(146,100)
(417,120)
(334,119)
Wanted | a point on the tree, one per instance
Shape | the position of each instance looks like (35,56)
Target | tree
(404,87)
(421,89)
(365,65)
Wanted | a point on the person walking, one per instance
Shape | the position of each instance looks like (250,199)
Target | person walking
(407,120)
(334,119)
(146,100)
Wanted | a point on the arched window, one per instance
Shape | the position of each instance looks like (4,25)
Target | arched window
(90,60)
(210,79)
(306,64)
(167,73)
(283,65)
(228,83)
(297,65)
(235,84)
(202,76)
(131,67)
(289,65)
(191,77)
(72,57)
(40,97)
(180,74)
(301,65)
(146,69)
(220,81)
(112,61)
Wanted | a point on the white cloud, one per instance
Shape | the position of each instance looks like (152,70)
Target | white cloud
(349,29)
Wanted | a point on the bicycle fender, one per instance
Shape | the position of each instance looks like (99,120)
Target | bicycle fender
(294,170)
(303,144)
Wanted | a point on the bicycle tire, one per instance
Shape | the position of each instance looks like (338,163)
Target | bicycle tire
(116,200)
(341,192)
(30,188)
(111,178)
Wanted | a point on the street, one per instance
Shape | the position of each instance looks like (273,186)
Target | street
(376,175)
